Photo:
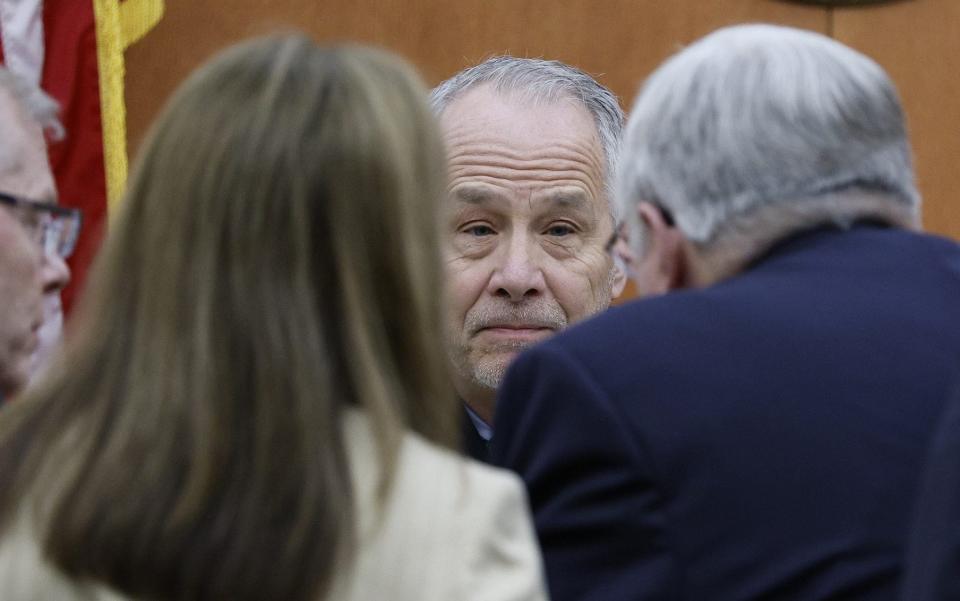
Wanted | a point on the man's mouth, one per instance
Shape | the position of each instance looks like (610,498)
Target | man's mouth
(517,332)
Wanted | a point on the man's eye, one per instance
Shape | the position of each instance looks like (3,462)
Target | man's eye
(559,230)
(479,230)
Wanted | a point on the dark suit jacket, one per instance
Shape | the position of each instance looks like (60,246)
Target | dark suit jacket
(758,439)
(932,571)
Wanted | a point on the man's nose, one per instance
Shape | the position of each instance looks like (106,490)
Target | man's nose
(519,275)
(54,272)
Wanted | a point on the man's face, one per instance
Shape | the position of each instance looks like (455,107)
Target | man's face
(526,221)
(21,297)
(28,279)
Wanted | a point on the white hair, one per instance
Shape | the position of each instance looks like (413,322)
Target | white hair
(43,109)
(755,116)
(541,81)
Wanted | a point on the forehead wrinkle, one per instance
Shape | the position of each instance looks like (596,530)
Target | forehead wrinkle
(479,144)
(555,159)
(476,154)
(496,166)
(537,170)
(523,179)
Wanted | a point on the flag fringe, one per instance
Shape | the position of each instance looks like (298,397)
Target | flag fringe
(112,107)
(138,17)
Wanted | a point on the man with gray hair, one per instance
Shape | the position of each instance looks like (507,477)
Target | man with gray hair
(36,234)
(531,146)
(758,434)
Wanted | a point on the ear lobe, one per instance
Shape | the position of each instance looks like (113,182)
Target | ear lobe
(663,262)
(674,259)
(619,281)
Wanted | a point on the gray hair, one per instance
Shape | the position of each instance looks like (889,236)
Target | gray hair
(43,109)
(756,116)
(538,80)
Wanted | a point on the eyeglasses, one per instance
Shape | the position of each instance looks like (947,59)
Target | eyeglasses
(54,228)
(614,237)
(618,232)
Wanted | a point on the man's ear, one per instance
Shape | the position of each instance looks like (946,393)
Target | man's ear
(622,260)
(663,264)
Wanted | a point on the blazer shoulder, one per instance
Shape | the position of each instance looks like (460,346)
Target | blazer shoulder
(469,523)
(611,344)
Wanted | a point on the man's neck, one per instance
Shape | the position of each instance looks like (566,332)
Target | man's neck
(480,399)
(707,265)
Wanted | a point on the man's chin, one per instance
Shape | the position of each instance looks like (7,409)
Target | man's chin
(487,366)
(14,380)
(489,371)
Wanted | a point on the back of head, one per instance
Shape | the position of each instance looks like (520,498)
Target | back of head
(275,263)
(543,81)
(756,117)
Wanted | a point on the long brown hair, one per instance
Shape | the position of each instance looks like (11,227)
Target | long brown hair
(274,263)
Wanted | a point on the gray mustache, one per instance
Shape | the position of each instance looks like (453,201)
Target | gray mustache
(538,315)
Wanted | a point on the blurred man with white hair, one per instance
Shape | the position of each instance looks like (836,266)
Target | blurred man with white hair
(757,434)
(36,234)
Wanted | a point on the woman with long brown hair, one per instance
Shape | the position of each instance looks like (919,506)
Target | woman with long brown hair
(254,405)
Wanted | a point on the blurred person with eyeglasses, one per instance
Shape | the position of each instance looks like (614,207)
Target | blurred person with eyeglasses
(36,234)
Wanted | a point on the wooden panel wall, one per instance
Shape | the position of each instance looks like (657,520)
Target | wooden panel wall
(621,41)
(918,43)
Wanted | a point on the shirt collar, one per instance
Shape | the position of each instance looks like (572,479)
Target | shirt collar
(483,428)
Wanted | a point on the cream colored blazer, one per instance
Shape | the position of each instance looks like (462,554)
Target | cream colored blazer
(451,529)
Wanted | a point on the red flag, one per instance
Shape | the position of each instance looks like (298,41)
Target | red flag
(71,76)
